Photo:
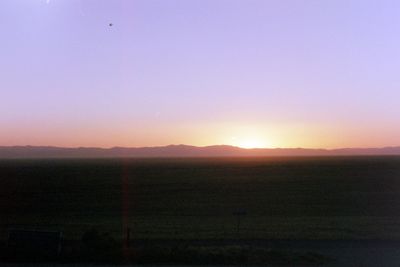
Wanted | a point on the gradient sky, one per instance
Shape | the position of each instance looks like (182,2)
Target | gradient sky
(284,73)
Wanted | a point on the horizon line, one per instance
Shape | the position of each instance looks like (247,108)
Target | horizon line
(194,146)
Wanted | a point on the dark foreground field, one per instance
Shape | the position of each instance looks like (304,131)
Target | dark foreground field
(194,200)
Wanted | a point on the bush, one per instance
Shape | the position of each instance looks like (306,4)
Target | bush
(100,247)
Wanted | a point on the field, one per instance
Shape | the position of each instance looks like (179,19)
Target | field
(281,198)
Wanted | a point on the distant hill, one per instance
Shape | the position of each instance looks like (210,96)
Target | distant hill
(181,151)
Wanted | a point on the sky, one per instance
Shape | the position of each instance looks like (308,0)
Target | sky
(267,73)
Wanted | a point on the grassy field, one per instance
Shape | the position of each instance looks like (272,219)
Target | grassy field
(289,198)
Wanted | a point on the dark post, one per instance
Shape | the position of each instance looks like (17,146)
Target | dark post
(128,237)
(239,213)
(238,223)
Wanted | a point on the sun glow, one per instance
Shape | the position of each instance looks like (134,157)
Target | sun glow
(249,142)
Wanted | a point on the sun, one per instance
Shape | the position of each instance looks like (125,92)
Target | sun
(249,142)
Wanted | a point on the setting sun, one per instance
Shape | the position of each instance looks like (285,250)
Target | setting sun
(249,142)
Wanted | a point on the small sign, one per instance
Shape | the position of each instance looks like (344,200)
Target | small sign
(239,212)
(32,244)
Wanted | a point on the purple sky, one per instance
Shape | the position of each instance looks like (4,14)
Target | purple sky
(248,73)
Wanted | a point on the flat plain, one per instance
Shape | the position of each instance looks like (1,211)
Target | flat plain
(304,198)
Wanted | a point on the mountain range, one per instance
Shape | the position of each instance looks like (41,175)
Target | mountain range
(181,151)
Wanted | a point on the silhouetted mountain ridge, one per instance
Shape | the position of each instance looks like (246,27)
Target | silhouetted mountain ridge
(182,151)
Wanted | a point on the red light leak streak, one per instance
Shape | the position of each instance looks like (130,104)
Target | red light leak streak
(125,207)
